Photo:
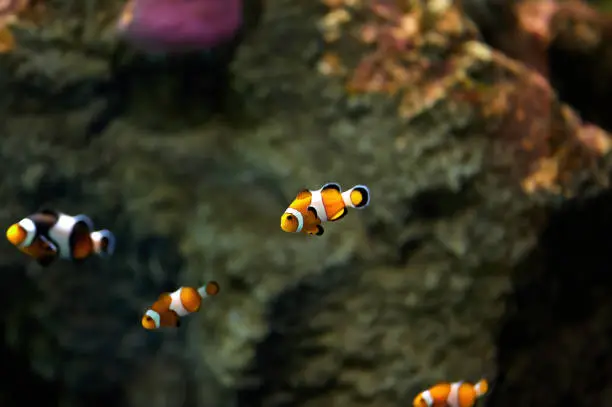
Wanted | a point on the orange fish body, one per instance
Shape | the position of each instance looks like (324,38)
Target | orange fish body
(311,208)
(458,394)
(168,310)
(47,235)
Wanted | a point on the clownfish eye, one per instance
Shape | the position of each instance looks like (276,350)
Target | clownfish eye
(289,217)
(148,318)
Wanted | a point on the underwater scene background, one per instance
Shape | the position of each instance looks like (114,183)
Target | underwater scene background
(187,127)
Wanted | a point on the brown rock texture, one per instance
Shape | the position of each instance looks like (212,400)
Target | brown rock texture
(486,197)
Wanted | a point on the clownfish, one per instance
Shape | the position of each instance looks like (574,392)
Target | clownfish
(170,307)
(47,235)
(458,394)
(311,208)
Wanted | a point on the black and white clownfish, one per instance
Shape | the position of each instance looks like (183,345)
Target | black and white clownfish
(311,208)
(168,310)
(47,235)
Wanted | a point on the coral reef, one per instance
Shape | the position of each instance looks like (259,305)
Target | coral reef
(487,198)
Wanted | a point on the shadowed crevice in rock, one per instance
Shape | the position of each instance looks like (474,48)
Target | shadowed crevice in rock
(439,203)
(156,90)
(428,206)
(293,341)
(16,371)
(161,258)
(567,42)
(554,346)
(579,60)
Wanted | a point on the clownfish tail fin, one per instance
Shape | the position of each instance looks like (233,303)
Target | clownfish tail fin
(103,242)
(357,197)
(209,289)
(481,387)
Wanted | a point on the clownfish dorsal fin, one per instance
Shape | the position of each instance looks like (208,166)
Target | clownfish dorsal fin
(331,185)
(303,194)
(47,211)
(163,303)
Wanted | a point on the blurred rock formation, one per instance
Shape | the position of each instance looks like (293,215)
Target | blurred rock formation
(484,252)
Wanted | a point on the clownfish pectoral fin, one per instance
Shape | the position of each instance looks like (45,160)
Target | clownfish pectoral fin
(49,248)
(313,211)
(45,261)
(175,319)
(331,185)
(320,230)
(338,215)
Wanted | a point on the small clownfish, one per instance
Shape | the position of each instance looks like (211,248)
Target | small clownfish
(458,394)
(170,307)
(311,208)
(47,235)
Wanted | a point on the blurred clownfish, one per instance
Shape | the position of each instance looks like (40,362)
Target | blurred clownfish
(311,208)
(170,307)
(458,394)
(47,235)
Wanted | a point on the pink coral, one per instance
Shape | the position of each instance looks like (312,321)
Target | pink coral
(172,26)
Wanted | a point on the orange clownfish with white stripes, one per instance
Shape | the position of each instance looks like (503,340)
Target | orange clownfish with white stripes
(311,208)
(48,235)
(458,394)
(170,307)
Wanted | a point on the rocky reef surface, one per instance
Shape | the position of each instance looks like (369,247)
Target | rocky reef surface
(485,251)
